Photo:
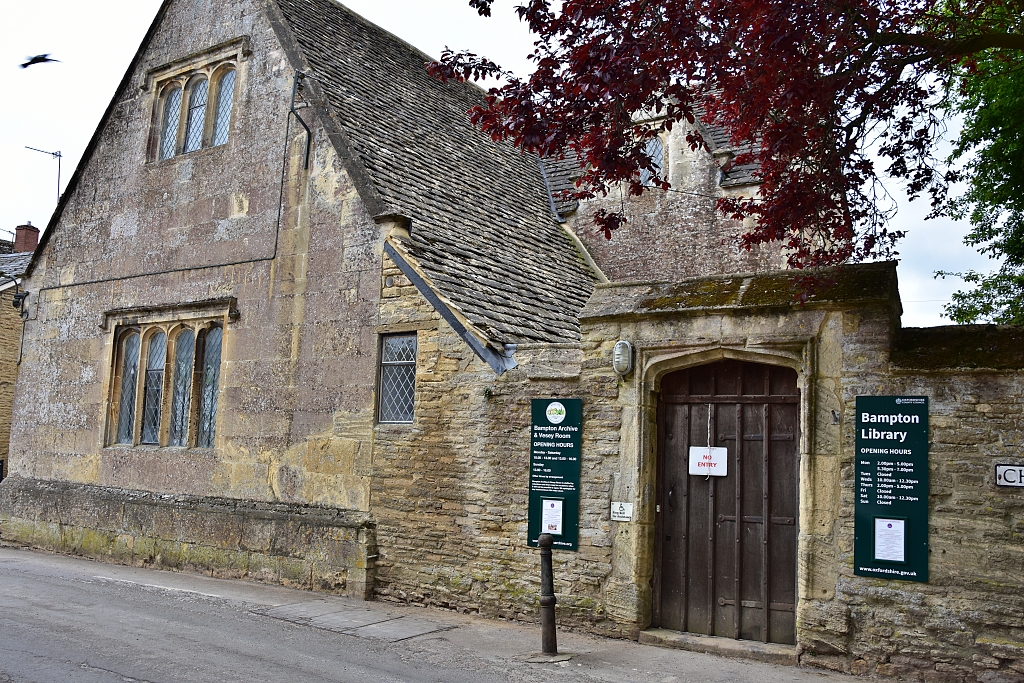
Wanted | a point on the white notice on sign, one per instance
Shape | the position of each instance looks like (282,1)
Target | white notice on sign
(551,518)
(890,540)
(622,512)
(706,460)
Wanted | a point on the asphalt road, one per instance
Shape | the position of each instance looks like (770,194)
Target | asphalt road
(68,619)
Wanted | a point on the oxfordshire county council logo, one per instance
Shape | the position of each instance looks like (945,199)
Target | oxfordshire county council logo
(555,412)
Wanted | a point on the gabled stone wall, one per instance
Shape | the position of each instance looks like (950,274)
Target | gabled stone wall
(285,257)
(674,234)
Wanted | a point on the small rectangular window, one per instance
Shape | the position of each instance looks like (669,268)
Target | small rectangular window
(655,149)
(397,378)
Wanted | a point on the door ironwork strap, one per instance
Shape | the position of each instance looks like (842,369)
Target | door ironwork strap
(708,478)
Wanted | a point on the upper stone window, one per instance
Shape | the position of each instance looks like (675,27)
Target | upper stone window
(170,117)
(195,100)
(655,149)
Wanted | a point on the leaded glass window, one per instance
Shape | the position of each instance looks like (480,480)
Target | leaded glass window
(190,402)
(210,381)
(196,115)
(171,115)
(655,149)
(181,399)
(129,379)
(152,399)
(397,378)
(225,96)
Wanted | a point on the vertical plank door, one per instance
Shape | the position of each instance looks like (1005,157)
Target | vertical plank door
(725,551)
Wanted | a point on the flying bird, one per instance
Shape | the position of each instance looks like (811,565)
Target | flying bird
(38,59)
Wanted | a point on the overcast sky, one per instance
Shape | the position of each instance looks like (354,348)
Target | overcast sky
(56,107)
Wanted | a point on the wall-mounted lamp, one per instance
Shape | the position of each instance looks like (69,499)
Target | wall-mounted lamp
(18,301)
(622,357)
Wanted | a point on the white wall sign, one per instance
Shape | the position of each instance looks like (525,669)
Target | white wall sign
(705,460)
(622,512)
(551,517)
(890,540)
(1010,475)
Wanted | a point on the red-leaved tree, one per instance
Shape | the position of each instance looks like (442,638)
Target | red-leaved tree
(812,91)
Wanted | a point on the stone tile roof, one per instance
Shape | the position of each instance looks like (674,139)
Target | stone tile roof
(733,175)
(861,283)
(481,227)
(562,175)
(15,265)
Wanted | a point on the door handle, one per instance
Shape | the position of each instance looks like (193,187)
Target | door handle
(672,498)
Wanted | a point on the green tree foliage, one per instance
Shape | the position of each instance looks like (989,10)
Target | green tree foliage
(824,97)
(989,93)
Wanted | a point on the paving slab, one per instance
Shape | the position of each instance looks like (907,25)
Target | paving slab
(301,611)
(349,619)
(403,628)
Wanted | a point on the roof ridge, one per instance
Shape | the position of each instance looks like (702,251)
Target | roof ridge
(480,219)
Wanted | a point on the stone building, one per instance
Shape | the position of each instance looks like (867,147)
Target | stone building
(14,259)
(289,317)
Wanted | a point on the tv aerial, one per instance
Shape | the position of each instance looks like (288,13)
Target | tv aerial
(55,155)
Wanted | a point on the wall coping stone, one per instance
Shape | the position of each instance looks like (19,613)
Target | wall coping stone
(865,283)
(15,487)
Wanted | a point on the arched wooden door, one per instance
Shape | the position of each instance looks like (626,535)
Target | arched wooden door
(725,550)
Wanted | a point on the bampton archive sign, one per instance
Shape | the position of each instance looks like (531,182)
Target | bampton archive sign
(891,504)
(555,447)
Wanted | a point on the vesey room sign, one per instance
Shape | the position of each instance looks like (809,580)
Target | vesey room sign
(555,452)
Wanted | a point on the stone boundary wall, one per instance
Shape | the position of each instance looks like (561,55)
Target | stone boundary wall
(300,546)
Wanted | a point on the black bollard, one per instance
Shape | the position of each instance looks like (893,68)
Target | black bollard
(548,640)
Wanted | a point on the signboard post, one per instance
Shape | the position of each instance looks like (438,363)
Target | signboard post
(891,504)
(555,448)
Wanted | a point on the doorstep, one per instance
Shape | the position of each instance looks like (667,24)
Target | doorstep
(771,653)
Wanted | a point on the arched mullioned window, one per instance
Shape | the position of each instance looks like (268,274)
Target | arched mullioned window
(181,400)
(129,369)
(197,92)
(195,109)
(222,115)
(655,149)
(169,122)
(190,354)
(208,389)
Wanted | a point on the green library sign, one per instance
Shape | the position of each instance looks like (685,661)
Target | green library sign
(891,488)
(555,448)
